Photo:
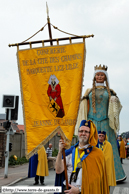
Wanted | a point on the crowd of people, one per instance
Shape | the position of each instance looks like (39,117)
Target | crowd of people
(126,142)
(94,163)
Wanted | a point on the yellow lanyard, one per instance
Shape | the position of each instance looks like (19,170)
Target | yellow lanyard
(119,142)
(77,158)
(101,146)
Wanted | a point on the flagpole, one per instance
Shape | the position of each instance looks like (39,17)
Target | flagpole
(63,151)
(65,168)
(50,35)
(49,26)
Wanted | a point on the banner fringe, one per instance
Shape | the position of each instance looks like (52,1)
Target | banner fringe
(58,129)
(22,100)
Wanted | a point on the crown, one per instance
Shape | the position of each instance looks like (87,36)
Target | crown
(101,68)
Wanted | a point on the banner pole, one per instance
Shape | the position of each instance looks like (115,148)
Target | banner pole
(63,151)
(65,168)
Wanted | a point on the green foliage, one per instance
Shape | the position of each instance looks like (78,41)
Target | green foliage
(75,136)
(19,160)
(55,152)
(12,161)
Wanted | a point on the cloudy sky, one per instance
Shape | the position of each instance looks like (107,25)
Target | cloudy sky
(108,20)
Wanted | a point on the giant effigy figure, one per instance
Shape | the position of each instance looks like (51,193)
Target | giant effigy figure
(101,105)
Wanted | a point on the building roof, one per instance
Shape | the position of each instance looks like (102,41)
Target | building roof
(17,127)
(20,127)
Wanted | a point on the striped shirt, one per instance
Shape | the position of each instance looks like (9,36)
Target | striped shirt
(49,152)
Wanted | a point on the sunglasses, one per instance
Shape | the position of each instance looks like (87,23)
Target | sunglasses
(101,135)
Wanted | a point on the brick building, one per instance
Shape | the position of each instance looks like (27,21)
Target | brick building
(17,140)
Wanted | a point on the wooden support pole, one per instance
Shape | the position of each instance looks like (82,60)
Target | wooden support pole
(53,40)
(49,30)
(65,167)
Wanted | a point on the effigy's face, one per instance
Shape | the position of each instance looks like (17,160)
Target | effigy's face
(100,77)
(53,81)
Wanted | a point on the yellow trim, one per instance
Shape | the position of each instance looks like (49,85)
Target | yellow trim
(77,159)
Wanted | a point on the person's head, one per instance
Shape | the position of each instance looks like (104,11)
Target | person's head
(101,136)
(125,141)
(87,133)
(83,134)
(50,145)
(119,137)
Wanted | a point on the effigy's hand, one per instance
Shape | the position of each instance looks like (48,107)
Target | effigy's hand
(50,98)
(61,145)
(73,190)
(55,98)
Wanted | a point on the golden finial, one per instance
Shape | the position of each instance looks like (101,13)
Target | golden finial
(47,10)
